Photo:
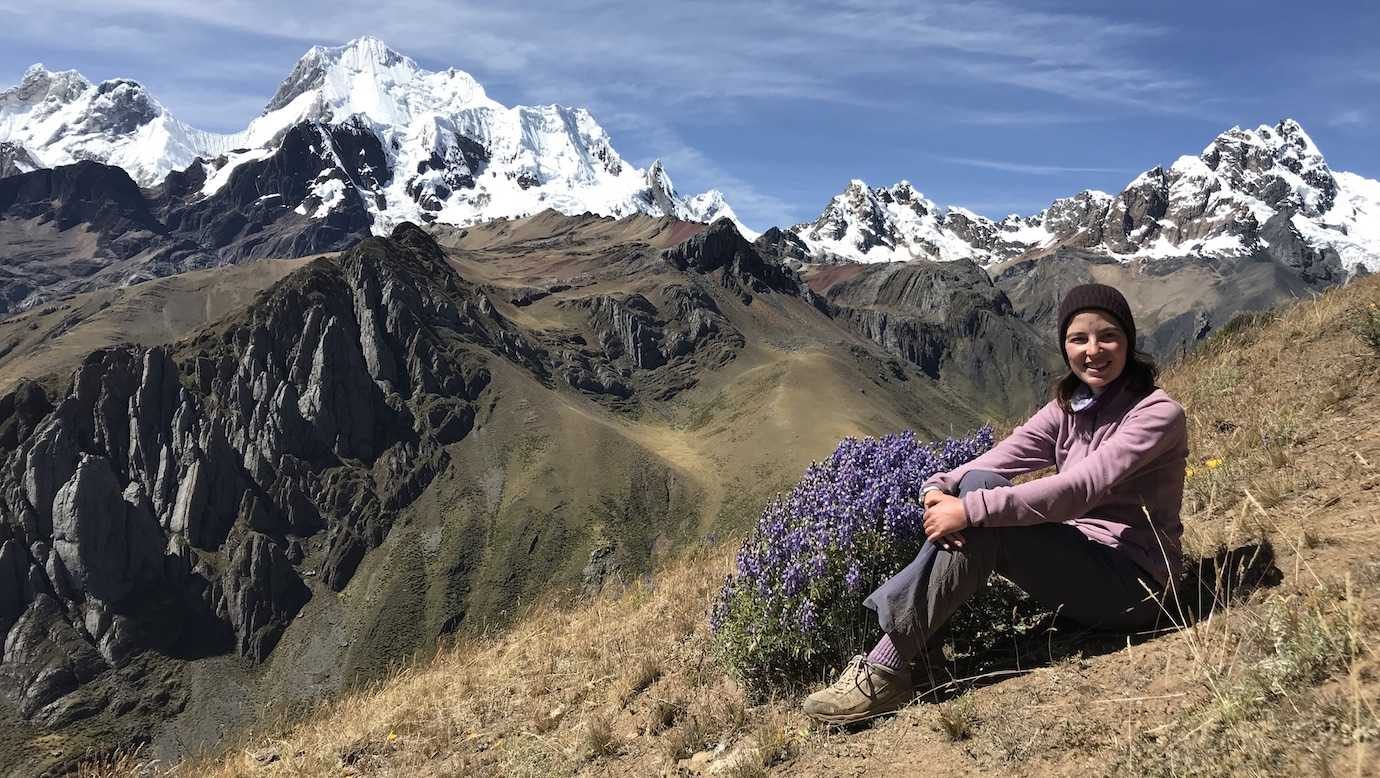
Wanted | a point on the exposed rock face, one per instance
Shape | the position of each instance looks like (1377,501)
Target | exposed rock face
(658,342)
(628,328)
(1177,301)
(951,321)
(102,198)
(603,567)
(21,411)
(46,657)
(1080,215)
(107,538)
(319,177)
(169,499)
(784,244)
(1259,163)
(262,592)
(443,173)
(632,336)
(721,249)
(661,193)
(1134,215)
(15,159)
(1289,248)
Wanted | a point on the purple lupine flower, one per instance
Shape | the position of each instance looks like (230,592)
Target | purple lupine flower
(853,578)
(807,616)
(792,602)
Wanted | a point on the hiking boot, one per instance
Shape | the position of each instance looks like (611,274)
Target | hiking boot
(866,689)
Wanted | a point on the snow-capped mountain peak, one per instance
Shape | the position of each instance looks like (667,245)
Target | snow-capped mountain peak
(660,188)
(366,76)
(59,117)
(42,89)
(314,69)
(453,154)
(889,224)
(1267,189)
(707,207)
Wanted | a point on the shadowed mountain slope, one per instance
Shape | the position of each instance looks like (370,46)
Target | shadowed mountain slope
(388,446)
(88,226)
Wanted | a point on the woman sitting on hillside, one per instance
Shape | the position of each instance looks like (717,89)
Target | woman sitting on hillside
(1098,540)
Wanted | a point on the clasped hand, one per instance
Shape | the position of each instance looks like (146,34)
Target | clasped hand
(945,516)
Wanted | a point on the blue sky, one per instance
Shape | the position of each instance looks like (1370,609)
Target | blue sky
(996,106)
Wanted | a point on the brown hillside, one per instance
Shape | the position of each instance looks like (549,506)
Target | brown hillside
(53,338)
(594,458)
(1275,674)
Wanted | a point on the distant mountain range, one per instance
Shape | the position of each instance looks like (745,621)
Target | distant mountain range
(359,138)
(446,151)
(1266,190)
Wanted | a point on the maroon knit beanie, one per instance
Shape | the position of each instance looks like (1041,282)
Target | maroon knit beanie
(1103,298)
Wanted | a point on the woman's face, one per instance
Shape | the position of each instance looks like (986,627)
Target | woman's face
(1096,348)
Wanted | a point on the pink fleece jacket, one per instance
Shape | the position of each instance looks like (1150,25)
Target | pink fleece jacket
(1117,460)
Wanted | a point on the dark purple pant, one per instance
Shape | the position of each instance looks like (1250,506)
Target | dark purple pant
(1054,563)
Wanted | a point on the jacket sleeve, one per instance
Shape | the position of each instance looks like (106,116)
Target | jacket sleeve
(1028,448)
(1143,436)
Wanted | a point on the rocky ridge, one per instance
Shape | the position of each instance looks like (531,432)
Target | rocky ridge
(286,442)
(1266,192)
(140,234)
(15,160)
(949,319)
(188,501)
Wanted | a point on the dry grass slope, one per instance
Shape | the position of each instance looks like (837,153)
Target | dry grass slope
(1285,444)
(53,338)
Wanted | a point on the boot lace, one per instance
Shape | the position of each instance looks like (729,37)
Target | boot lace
(856,675)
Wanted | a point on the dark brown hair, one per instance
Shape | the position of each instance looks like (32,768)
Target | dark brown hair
(1140,375)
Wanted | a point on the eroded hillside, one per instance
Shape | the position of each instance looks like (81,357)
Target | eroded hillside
(1269,667)
(388,447)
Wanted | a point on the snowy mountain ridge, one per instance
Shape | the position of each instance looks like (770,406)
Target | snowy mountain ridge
(58,118)
(454,155)
(1246,189)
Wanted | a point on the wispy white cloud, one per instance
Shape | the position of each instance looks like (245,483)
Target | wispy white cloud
(998,117)
(880,61)
(693,170)
(1351,117)
(757,208)
(675,53)
(1026,168)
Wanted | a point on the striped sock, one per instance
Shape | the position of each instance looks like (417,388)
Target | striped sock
(885,653)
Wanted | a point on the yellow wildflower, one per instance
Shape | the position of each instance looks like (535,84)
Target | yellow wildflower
(392,736)
(1188,473)
(1213,464)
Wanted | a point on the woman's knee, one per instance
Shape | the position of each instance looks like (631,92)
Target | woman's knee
(980,479)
